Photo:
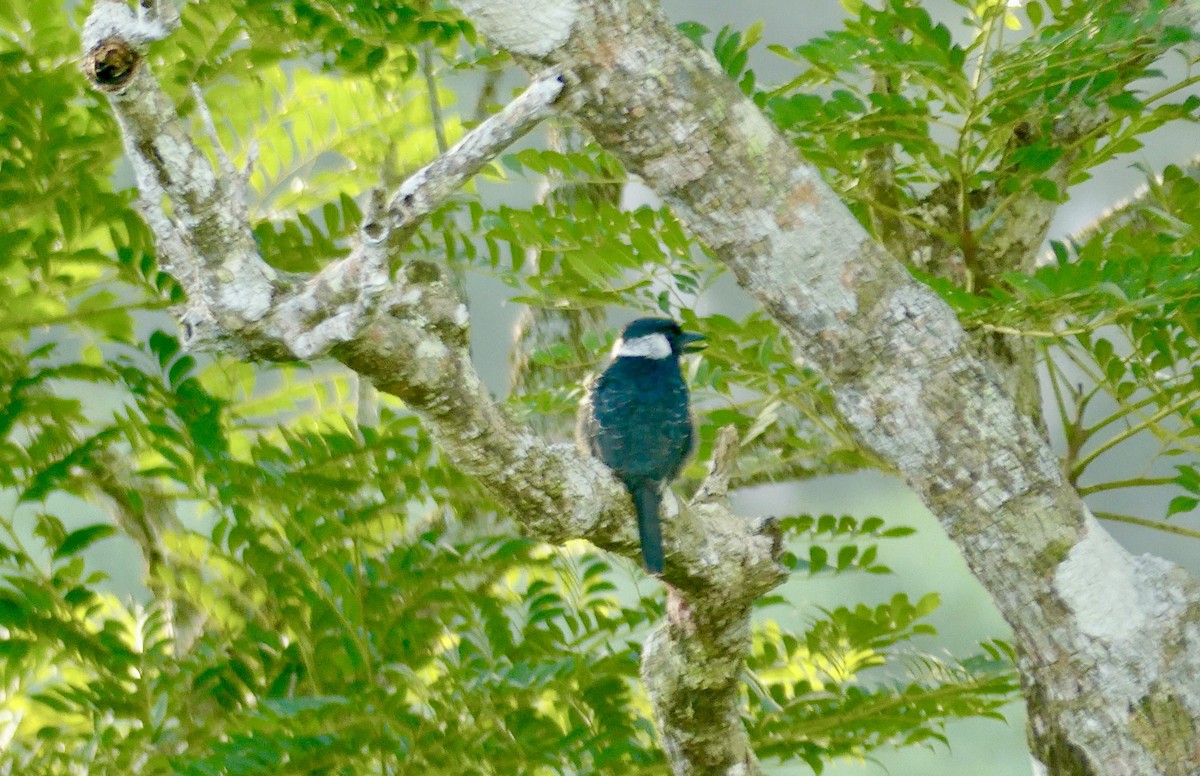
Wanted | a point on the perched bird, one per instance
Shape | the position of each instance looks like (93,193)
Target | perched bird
(636,419)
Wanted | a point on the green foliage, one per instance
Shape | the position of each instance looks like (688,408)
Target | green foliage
(356,603)
(732,50)
(60,220)
(979,115)
(808,697)
(329,595)
(586,250)
(845,532)
(817,716)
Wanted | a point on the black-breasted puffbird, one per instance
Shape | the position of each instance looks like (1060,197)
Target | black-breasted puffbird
(637,420)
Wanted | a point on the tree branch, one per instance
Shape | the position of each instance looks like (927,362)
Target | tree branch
(207,239)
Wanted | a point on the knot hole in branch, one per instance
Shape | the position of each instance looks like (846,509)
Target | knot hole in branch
(376,227)
(112,63)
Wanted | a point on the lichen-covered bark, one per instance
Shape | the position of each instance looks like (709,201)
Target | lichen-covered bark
(909,380)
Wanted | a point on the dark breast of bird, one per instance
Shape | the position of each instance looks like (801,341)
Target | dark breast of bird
(641,408)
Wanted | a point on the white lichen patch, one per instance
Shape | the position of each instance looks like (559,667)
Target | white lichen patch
(690,162)
(249,296)
(754,126)
(517,461)
(1005,480)
(813,245)
(533,29)
(430,349)
(1097,582)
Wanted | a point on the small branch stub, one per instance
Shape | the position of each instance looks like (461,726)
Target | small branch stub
(111,64)
(721,467)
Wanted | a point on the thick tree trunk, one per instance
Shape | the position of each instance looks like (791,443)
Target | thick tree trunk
(1109,643)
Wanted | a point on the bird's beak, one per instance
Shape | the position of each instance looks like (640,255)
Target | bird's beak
(690,342)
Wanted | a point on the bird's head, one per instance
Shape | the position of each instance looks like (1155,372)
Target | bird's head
(656,338)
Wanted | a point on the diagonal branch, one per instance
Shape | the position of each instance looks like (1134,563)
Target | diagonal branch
(343,296)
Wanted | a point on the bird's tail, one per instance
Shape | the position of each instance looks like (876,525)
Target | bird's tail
(646,500)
